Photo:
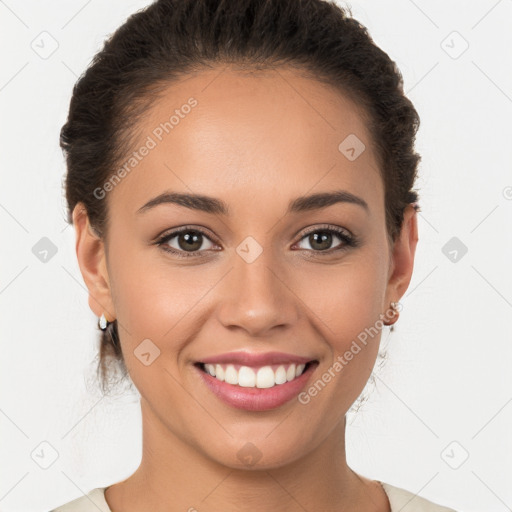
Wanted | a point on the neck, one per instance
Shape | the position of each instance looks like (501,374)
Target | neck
(173,475)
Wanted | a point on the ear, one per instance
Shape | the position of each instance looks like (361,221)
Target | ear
(90,251)
(402,257)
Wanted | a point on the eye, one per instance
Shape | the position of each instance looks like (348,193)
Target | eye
(321,238)
(188,242)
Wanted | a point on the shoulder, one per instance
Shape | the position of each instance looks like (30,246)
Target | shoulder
(406,501)
(94,501)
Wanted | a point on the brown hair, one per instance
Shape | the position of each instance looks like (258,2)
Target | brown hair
(171,38)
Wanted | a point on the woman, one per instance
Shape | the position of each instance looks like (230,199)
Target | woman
(240,178)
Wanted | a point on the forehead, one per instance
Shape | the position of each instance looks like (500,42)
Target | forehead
(272,131)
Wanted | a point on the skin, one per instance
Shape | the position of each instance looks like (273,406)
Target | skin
(256,141)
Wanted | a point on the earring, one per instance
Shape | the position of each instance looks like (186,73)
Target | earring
(103,322)
(396,307)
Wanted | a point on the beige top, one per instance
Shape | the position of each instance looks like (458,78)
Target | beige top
(399,499)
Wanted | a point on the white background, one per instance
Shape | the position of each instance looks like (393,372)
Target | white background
(448,374)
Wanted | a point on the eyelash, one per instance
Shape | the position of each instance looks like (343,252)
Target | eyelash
(349,240)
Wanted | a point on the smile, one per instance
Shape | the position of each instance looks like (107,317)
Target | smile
(256,383)
(260,377)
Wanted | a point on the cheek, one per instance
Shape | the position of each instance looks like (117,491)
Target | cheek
(345,306)
(345,299)
(150,295)
(163,303)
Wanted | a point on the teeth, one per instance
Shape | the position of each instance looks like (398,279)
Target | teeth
(246,377)
(264,377)
(280,375)
(231,375)
(219,372)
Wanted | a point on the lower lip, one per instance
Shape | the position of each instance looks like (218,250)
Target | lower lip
(257,399)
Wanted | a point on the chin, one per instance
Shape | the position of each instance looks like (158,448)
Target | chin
(260,452)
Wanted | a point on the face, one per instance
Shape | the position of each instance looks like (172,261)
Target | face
(256,269)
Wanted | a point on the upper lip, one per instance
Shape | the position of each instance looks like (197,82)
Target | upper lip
(256,358)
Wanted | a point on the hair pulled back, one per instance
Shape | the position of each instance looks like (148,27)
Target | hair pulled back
(170,38)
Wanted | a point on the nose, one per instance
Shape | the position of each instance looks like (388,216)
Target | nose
(257,297)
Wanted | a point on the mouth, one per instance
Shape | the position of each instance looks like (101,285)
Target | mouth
(256,387)
(262,377)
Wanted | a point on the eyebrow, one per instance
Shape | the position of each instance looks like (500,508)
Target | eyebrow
(216,206)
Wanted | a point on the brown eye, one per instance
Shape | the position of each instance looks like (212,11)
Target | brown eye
(321,239)
(185,242)
(189,241)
